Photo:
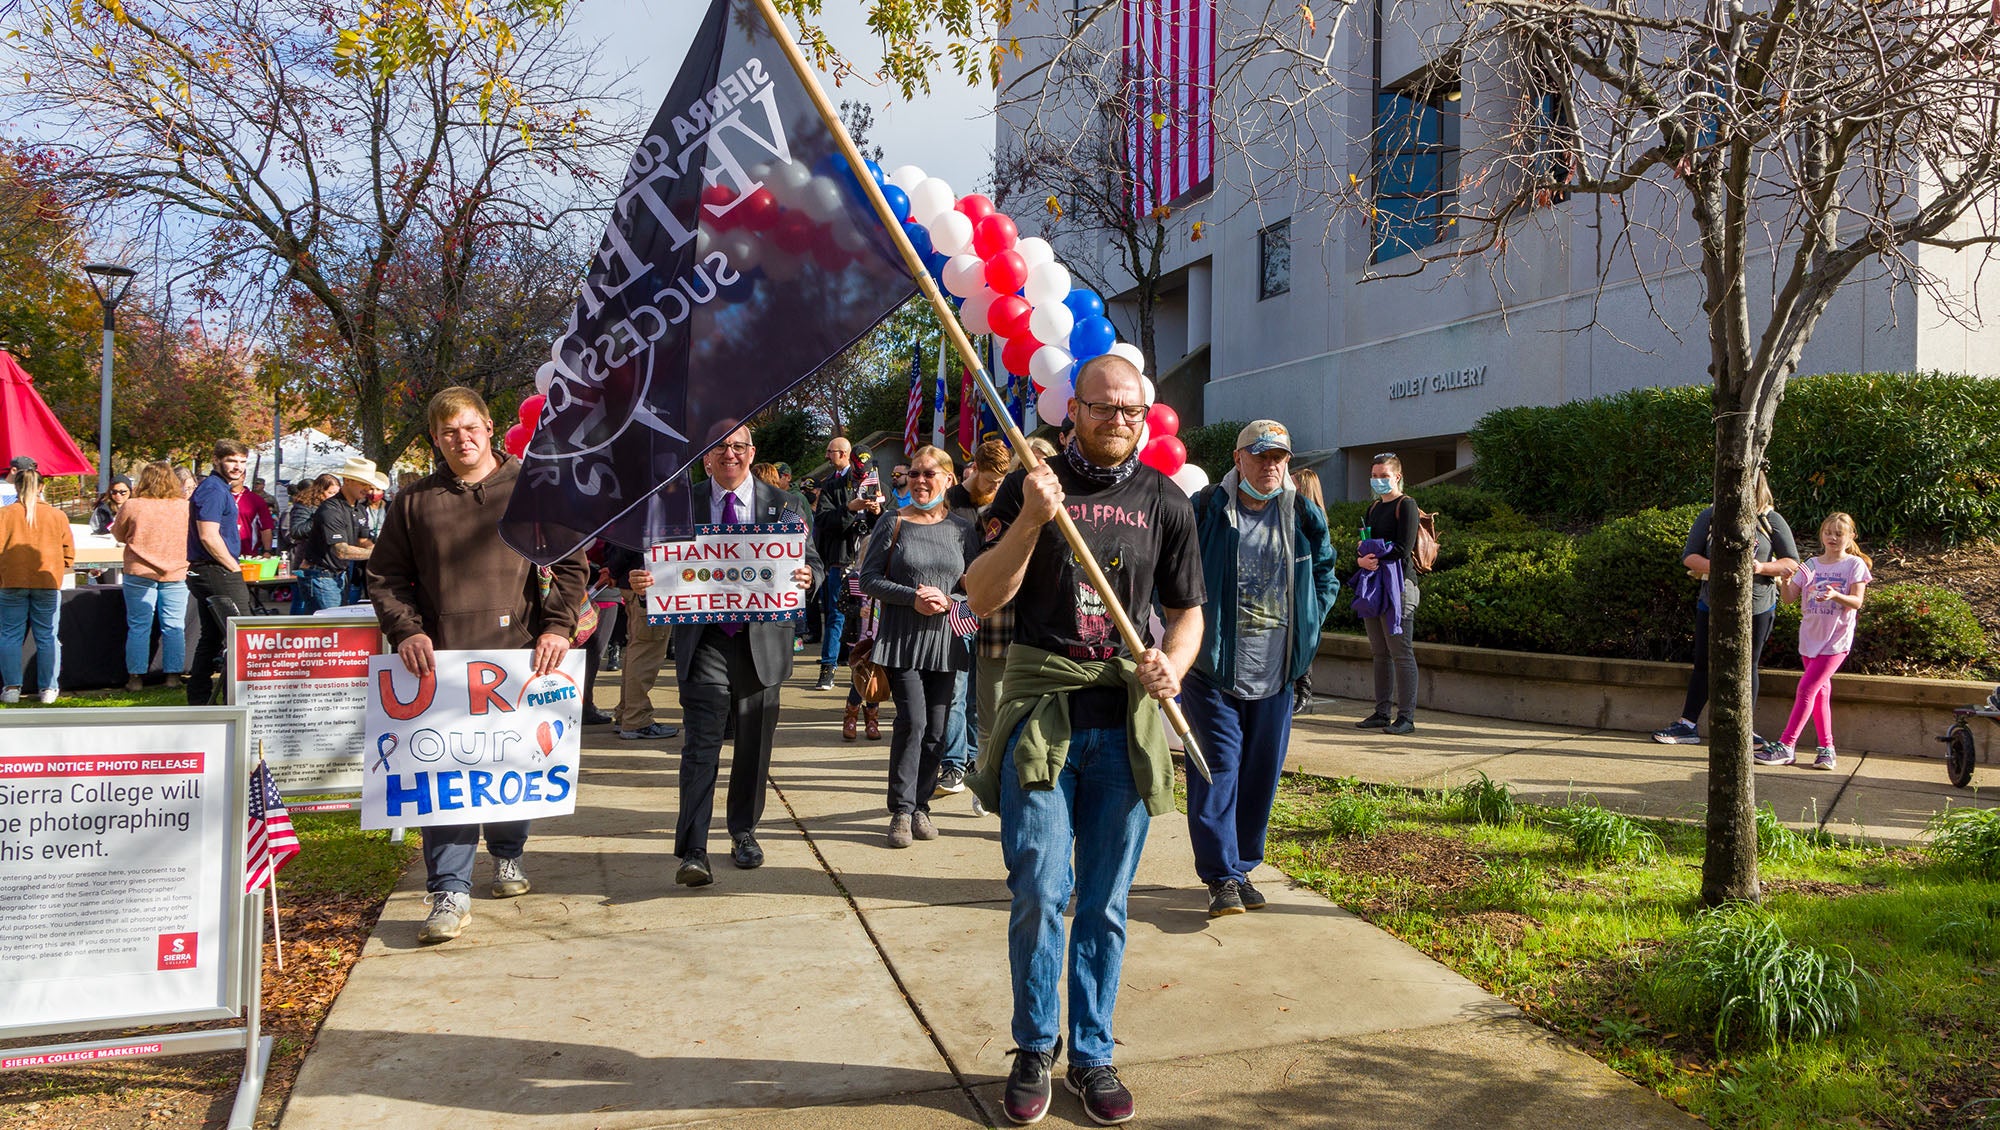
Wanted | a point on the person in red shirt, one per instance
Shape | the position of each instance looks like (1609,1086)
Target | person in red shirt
(254,521)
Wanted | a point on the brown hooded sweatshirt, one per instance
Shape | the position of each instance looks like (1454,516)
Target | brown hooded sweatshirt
(440,569)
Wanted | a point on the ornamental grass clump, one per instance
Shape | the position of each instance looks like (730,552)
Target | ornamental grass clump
(1738,976)
(1355,815)
(1599,835)
(1966,838)
(1484,801)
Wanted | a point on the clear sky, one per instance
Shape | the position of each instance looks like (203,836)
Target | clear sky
(949,132)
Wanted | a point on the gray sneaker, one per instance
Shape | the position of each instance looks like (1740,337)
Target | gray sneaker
(508,878)
(1823,758)
(450,911)
(651,731)
(921,827)
(952,780)
(899,830)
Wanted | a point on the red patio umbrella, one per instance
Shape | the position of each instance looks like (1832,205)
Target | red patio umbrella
(27,427)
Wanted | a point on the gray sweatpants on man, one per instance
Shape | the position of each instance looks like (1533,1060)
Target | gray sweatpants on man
(449,851)
(1395,658)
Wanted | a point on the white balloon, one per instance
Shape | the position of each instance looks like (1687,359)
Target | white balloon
(1145,435)
(789,183)
(1062,390)
(951,234)
(908,177)
(1190,477)
(1035,251)
(822,199)
(1053,411)
(1048,285)
(702,242)
(1051,324)
(1146,386)
(1050,366)
(973,313)
(965,275)
(929,199)
(1130,353)
(744,252)
(545,378)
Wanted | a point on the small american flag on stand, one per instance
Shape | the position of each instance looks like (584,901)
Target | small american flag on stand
(959,618)
(272,841)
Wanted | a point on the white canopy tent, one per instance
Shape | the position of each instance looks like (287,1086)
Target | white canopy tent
(306,453)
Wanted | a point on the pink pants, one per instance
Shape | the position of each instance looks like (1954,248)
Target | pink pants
(1815,695)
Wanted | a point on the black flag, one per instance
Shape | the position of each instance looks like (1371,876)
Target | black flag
(740,257)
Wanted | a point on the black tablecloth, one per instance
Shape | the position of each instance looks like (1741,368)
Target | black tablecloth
(92,631)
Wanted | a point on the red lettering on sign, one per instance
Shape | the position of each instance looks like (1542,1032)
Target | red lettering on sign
(385,690)
(485,679)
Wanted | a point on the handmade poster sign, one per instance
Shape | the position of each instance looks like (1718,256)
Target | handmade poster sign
(728,574)
(479,739)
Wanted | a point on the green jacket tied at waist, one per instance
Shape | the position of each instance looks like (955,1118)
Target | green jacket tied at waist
(1034,689)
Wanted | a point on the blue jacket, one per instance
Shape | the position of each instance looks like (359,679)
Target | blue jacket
(1313,582)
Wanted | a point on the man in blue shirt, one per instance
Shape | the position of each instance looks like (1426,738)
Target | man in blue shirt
(214,546)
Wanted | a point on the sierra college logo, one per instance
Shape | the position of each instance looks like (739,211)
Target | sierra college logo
(177,951)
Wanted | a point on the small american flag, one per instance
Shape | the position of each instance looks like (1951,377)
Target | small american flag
(1169,53)
(854,583)
(272,841)
(916,408)
(959,618)
(872,480)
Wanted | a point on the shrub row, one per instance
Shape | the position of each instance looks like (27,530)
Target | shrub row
(1909,455)
(1620,591)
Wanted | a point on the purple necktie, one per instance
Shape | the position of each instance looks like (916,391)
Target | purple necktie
(730,517)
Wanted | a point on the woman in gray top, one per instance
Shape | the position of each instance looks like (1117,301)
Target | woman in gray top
(911,564)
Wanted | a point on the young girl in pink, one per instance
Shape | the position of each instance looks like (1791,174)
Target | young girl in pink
(1830,589)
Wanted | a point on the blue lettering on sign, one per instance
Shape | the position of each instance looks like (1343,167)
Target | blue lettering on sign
(449,791)
(556,694)
(482,788)
(559,775)
(457,789)
(420,795)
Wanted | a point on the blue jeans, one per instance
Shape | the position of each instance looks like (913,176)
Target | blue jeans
(322,588)
(961,740)
(20,610)
(1244,741)
(832,621)
(145,600)
(449,850)
(1083,835)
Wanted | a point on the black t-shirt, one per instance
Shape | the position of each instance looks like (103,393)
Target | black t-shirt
(1143,536)
(960,500)
(1397,522)
(332,524)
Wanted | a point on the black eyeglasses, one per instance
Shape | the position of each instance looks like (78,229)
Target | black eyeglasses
(735,448)
(1385,456)
(1133,413)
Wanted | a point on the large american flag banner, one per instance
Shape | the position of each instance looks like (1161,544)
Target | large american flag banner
(1169,53)
(272,842)
(915,410)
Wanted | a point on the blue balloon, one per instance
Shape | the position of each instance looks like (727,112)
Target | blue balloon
(1084,303)
(833,164)
(875,170)
(920,236)
(935,262)
(899,201)
(1091,337)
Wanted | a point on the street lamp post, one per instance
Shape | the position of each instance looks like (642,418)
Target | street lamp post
(116,280)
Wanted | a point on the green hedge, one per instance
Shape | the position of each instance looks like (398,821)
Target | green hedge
(1906,628)
(1212,447)
(1634,598)
(1909,455)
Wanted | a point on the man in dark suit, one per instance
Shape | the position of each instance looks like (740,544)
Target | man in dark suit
(725,668)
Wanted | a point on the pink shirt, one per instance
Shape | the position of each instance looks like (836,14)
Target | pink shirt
(1826,627)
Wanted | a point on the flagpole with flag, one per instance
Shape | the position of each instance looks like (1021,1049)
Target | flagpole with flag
(914,410)
(943,404)
(1127,631)
(271,842)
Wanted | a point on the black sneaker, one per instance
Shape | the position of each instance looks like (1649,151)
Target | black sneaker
(1029,1085)
(1375,721)
(1224,897)
(825,678)
(1253,899)
(1105,1099)
(1403,725)
(952,780)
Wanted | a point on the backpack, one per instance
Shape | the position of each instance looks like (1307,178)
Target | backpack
(1425,554)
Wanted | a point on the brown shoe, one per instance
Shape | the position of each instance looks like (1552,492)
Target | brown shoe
(847,723)
(134,685)
(873,714)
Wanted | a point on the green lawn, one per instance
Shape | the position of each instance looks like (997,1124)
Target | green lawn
(1589,947)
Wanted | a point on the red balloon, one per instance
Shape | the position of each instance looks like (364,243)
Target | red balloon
(517,440)
(758,210)
(975,207)
(830,254)
(993,235)
(1009,316)
(795,233)
(531,411)
(1163,421)
(1165,454)
(1014,358)
(1006,272)
(718,196)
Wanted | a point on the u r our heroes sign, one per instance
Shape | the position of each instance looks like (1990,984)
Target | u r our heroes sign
(1451,380)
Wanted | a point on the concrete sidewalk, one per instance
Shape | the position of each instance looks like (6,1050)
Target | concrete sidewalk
(1887,799)
(846,984)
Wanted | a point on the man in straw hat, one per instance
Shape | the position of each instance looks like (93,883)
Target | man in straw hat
(335,540)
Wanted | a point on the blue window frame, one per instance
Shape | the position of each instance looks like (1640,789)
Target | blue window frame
(1415,168)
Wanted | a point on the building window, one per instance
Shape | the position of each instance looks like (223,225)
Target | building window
(1551,153)
(1416,165)
(1274,260)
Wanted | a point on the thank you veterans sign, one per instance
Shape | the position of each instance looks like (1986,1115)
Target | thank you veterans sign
(728,574)
(480,738)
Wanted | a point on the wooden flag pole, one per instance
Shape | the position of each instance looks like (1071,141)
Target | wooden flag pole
(970,356)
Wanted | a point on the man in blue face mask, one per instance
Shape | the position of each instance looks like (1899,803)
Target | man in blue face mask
(1270,569)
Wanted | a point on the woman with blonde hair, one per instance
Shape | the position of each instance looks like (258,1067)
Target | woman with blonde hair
(153,525)
(1307,481)
(36,552)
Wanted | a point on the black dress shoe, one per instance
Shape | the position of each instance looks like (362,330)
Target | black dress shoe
(596,718)
(694,870)
(746,854)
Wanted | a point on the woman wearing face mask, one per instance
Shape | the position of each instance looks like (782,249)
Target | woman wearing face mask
(1388,535)
(910,565)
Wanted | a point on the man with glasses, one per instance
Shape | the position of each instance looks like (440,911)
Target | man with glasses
(899,486)
(1269,568)
(1078,761)
(841,520)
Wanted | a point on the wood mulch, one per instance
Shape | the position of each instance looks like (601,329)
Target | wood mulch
(323,939)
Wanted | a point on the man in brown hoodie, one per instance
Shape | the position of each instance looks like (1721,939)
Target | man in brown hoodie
(442,580)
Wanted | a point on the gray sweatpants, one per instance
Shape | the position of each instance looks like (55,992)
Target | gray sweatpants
(1395,658)
(449,851)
